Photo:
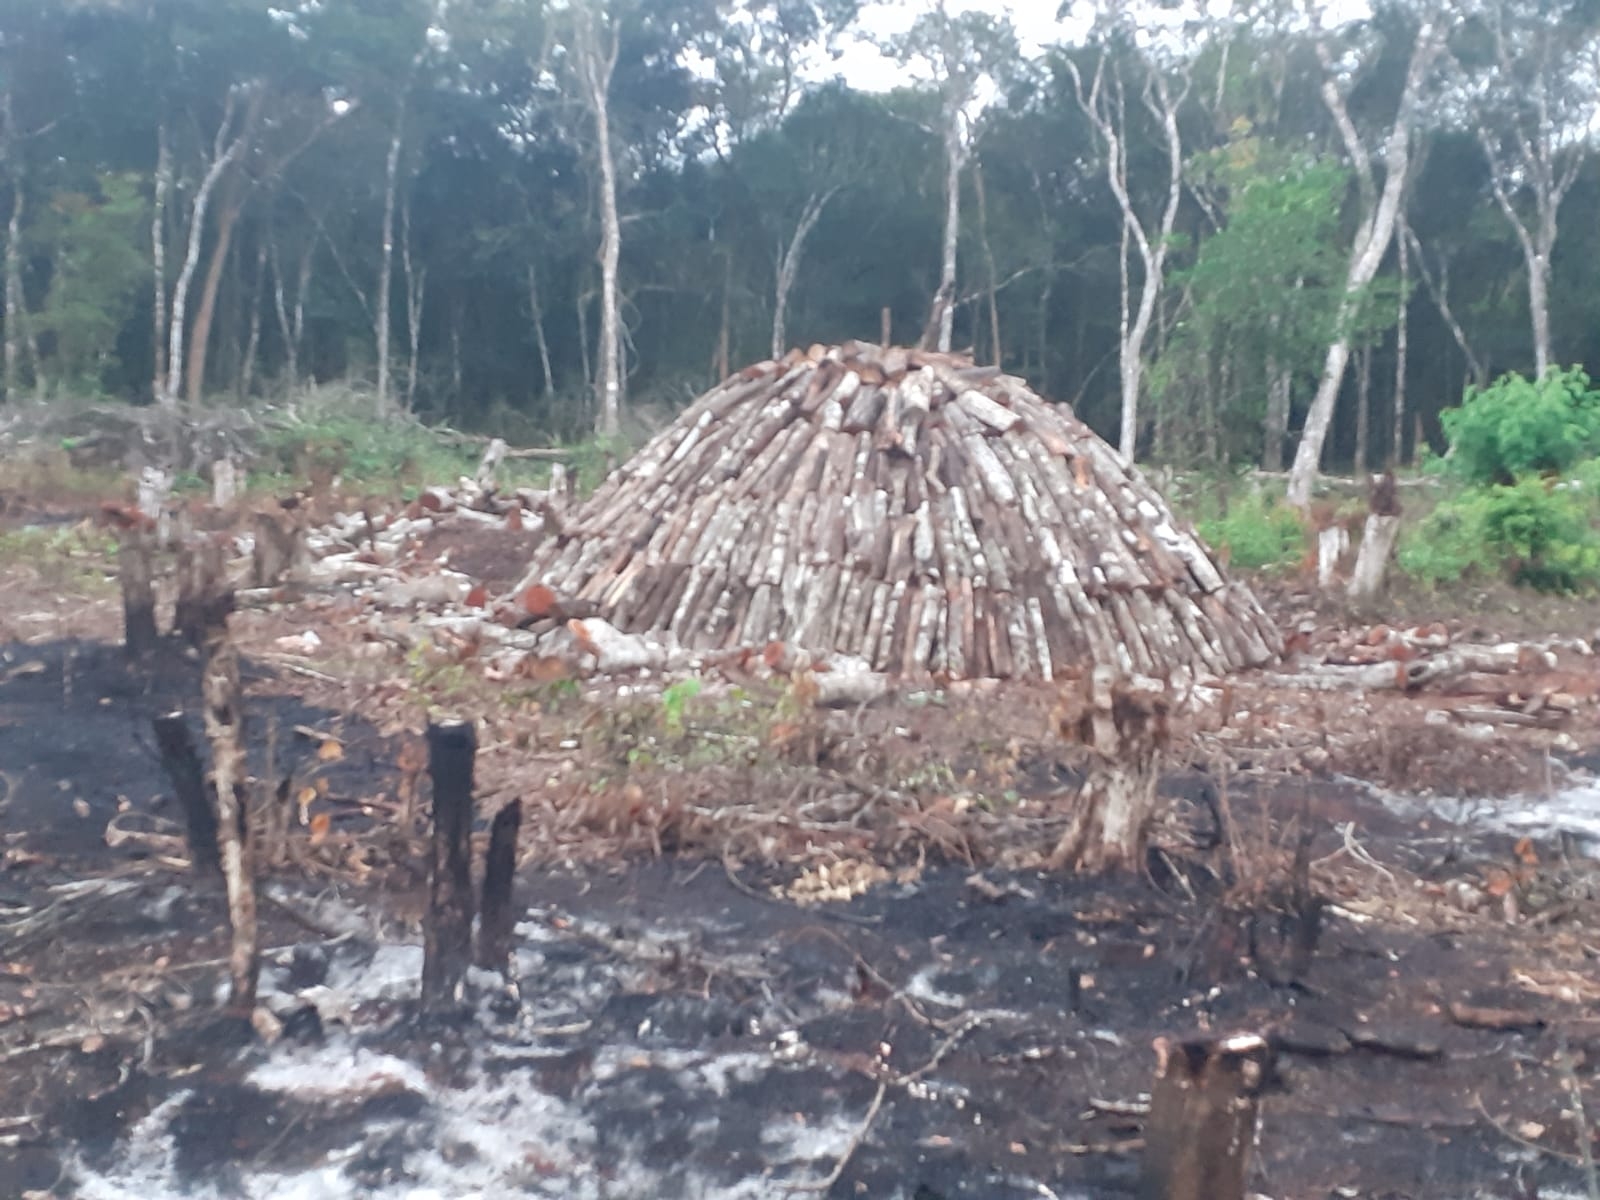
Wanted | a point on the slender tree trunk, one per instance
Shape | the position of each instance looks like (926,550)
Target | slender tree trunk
(252,346)
(1046,296)
(1280,380)
(988,264)
(158,256)
(13,301)
(416,293)
(380,309)
(1367,253)
(455,350)
(536,310)
(1363,410)
(596,64)
(1439,290)
(955,156)
(280,306)
(584,353)
(789,267)
(721,369)
(1401,354)
(225,152)
(205,312)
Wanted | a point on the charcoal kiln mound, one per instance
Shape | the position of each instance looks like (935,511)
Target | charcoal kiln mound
(911,510)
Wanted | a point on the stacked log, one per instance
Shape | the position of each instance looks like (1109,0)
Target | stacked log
(911,510)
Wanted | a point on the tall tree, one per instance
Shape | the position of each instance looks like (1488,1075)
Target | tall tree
(1379,214)
(962,55)
(1527,67)
(1104,100)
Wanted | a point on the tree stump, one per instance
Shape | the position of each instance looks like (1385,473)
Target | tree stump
(220,688)
(1203,1111)
(497,919)
(1125,726)
(136,574)
(204,597)
(1377,538)
(447,928)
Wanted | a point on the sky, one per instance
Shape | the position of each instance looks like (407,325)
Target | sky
(863,67)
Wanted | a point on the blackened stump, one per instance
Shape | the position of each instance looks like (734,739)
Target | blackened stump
(136,574)
(447,930)
(1203,1111)
(223,719)
(497,919)
(182,764)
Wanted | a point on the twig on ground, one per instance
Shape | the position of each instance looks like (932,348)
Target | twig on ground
(825,1184)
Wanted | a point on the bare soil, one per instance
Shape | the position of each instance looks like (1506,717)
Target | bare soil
(682,1023)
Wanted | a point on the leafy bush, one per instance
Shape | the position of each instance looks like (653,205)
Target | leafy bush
(1517,426)
(1534,532)
(1254,533)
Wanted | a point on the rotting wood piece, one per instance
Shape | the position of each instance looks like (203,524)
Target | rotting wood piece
(497,918)
(447,927)
(136,574)
(205,597)
(223,719)
(1204,1106)
(181,761)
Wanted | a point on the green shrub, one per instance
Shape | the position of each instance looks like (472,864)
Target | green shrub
(1517,426)
(1534,532)
(1255,533)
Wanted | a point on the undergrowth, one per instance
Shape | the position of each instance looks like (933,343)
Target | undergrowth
(1254,532)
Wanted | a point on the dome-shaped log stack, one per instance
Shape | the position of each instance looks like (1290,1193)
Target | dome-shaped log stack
(908,508)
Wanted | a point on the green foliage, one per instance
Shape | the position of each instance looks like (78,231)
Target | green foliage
(1535,532)
(1256,533)
(1517,426)
(74,560)
(674,700)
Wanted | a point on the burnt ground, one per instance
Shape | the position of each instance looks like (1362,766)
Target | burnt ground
(679,1025)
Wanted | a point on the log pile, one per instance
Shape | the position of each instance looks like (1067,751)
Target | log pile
(908,509)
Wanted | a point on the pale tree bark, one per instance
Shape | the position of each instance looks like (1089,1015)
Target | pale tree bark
(1380,214)
(206,310)
(1105,105)
(1439,292)
(226,148)
(536,311)
(1402,347)
(380,309)
(13,266)
(158,256)
(595,51)
(1363,409)
(789,266)
(993,289)
(416,294)
(955,159)
(252,347)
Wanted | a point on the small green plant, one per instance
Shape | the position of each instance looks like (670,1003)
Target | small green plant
(1517,426)
(1256,533)
(1535,532)
(675,700)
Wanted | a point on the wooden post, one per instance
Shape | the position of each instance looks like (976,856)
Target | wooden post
(220,688)
(182,764)
(497,919)
(447,928)
(135,571)
(1203,1112)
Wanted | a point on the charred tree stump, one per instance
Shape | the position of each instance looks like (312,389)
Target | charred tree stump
(1203,1112)
(181,761)
(447,929)
(204,597)
(1125,727)
(136,573)
(497,918)
(220,689)
(278,550)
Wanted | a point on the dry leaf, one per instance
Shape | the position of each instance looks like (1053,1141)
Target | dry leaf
(1525,852)
(320,824)
(330,751)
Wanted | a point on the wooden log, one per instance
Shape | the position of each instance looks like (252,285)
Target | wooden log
(497,917)
(223,721)
(447,926)
(1204,1107)
(181,761)
(136,575)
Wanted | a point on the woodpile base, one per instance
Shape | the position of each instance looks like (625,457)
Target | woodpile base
(910,510)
